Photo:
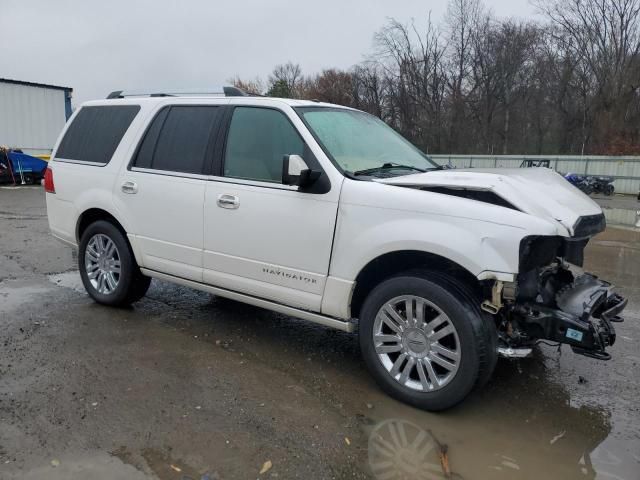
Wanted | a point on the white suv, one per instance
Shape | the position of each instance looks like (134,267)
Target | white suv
(325,213)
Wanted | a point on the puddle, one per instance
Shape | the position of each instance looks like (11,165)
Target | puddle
(70,280)
(98,466)
(622,216)
(15,294)
(408,449)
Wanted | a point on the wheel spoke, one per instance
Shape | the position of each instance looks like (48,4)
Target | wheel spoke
(394,316)
(398,364)
(92,251)
(443,332)
(94,274)
(109,249)
(111,282)
(431,373)
(441,361)
(408,305)
(435,323)
(424,380)
(406,371)
(387,338)
(419,313)
(115,267)
(100,286)
(445,352)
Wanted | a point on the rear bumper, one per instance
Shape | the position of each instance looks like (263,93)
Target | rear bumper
(62,216)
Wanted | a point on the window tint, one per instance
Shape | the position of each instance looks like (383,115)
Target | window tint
(145,152)
(258,138)
(178,139)
(96,132)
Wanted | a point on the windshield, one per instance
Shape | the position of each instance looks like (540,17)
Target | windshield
(362,144)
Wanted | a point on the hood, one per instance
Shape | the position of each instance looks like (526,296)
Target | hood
(536,191)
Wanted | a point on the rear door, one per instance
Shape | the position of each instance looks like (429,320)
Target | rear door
(262,237)
(163,188)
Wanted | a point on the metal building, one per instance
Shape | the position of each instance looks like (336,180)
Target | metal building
(32,115)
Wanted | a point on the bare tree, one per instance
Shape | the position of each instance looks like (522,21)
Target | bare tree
(287,77)
(569,83)
(604,35)
(253,87)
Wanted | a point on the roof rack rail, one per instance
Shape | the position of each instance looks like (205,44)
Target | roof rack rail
(227,91)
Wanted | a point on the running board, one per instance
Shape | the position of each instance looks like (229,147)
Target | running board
(345,326)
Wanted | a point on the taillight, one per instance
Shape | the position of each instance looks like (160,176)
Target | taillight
(49,187)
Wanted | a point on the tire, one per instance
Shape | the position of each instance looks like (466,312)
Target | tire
(454,308)
(106,285)
(608,190)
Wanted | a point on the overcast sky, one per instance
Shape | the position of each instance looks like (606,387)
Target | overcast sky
(98,46)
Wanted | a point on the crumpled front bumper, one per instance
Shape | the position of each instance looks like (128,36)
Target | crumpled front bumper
(583,317)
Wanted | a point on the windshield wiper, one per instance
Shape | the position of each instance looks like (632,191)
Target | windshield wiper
(388,166)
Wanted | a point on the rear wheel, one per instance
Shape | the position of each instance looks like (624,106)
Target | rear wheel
(108,269)
(425,341)
(608,190)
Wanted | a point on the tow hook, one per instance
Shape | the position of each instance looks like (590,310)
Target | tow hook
(494,305)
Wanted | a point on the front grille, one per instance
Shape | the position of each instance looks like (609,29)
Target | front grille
(589,225)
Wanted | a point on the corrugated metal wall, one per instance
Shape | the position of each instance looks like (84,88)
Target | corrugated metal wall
(31,117)
(625,170)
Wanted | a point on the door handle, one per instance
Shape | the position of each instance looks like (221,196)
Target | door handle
(228,201)
(129,187)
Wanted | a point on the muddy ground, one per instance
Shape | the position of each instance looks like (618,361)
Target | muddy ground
(185,385)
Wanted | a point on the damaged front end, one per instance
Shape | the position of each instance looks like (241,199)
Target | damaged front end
(554,300)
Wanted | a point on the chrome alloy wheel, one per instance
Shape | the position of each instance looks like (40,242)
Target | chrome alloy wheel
(416,343)
(102,263)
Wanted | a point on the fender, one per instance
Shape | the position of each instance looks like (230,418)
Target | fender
(482,238)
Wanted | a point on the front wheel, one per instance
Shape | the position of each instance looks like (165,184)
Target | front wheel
(425,341)
(108,269)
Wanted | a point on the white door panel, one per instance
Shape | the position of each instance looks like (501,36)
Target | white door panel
(166,215)
(276,243)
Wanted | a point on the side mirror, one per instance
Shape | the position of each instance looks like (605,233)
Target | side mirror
(295,171)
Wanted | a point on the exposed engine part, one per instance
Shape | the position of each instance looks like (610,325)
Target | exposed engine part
(553,299)
(579,313)
(509,352)
(509,291)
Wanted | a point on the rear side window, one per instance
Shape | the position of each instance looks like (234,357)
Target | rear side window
(179,139)
(96,132)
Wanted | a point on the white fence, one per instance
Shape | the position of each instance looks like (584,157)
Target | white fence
(625,170)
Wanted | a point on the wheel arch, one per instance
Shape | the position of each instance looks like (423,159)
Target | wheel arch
(392,263)
(94,214)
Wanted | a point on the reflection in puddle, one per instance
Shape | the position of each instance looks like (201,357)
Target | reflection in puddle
(399,449)
(522,426)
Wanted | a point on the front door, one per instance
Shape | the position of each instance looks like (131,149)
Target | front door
(262,237)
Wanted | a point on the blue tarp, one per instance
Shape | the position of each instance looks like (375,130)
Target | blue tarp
(21,162)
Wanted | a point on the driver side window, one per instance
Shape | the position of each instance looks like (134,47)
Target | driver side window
(257,140)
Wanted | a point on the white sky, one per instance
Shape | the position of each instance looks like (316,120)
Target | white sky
(98,46)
